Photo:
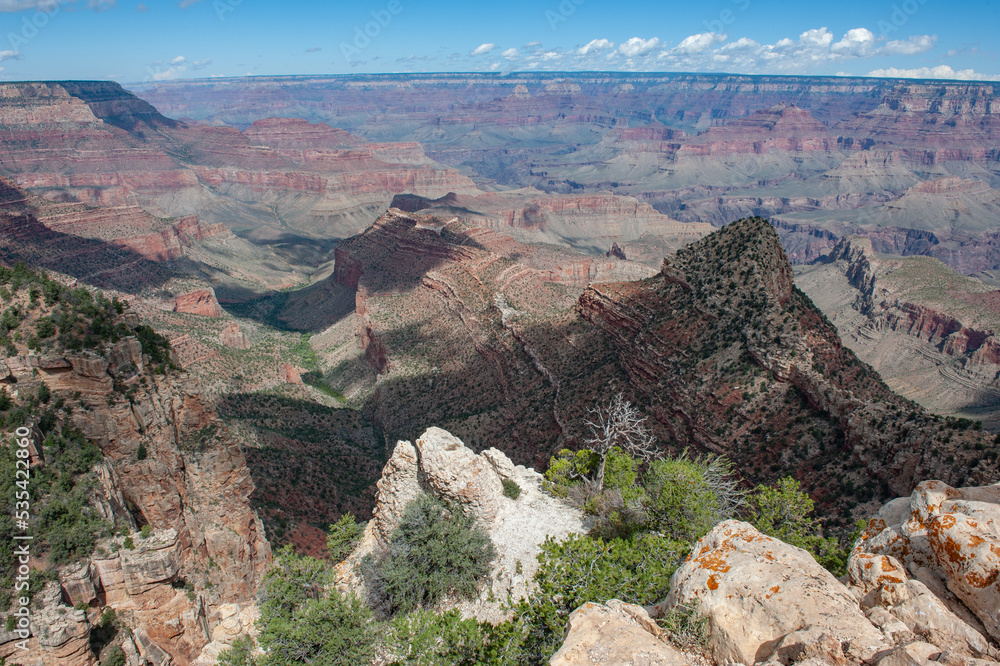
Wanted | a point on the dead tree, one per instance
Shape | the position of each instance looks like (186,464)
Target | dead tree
(618,424)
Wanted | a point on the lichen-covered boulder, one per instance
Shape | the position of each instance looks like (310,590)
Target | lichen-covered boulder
(947,538)
(756,591)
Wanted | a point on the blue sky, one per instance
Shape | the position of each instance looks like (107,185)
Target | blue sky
(156,40)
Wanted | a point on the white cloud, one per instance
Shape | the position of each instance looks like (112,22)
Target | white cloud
(820,37)
(314,49)
(50,6)
(595,45)
(510,53)
(938,72)
(858,42)
(698,43)
(178,60)
(912,46)
(740,44)
(482,48)
(200,64)
(637,46)
(9,55)
(167,74)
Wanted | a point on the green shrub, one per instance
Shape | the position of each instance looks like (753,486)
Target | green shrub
(568,469)
(582,569)
(298,624)
(146,531)
(686,627)
(435,551)
(240,654)
(511,489)
(141,453)
(425,638)
(114,657)
(783,511)
(686,497)
(128,544)
(343,537)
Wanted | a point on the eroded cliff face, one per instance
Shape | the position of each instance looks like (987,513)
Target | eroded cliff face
(171,466)
(96,144)
(694,340)
(928,331)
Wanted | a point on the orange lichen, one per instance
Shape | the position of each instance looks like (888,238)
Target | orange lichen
(713,582)
(714,561)
(980,581)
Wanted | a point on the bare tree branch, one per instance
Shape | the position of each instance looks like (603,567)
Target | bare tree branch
(620,424)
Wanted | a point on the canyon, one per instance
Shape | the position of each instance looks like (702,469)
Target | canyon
(343,265)
(836,155)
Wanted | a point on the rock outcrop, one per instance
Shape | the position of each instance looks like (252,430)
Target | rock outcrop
(763,597)
(170,465)
(441,465)
(766,602)
(948,541)
(233,336)
(930,332)
(199,302)
(616,633)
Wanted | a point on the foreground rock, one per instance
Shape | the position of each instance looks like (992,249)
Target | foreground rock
(441,465)
(765,598)
(921,588)
(616,633)
(948,540)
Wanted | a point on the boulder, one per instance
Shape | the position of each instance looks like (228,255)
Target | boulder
(149,650)
(947,538)
(151,567)
(456,474)
(913,654)
(125,357)
(615,633)
(761,594)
